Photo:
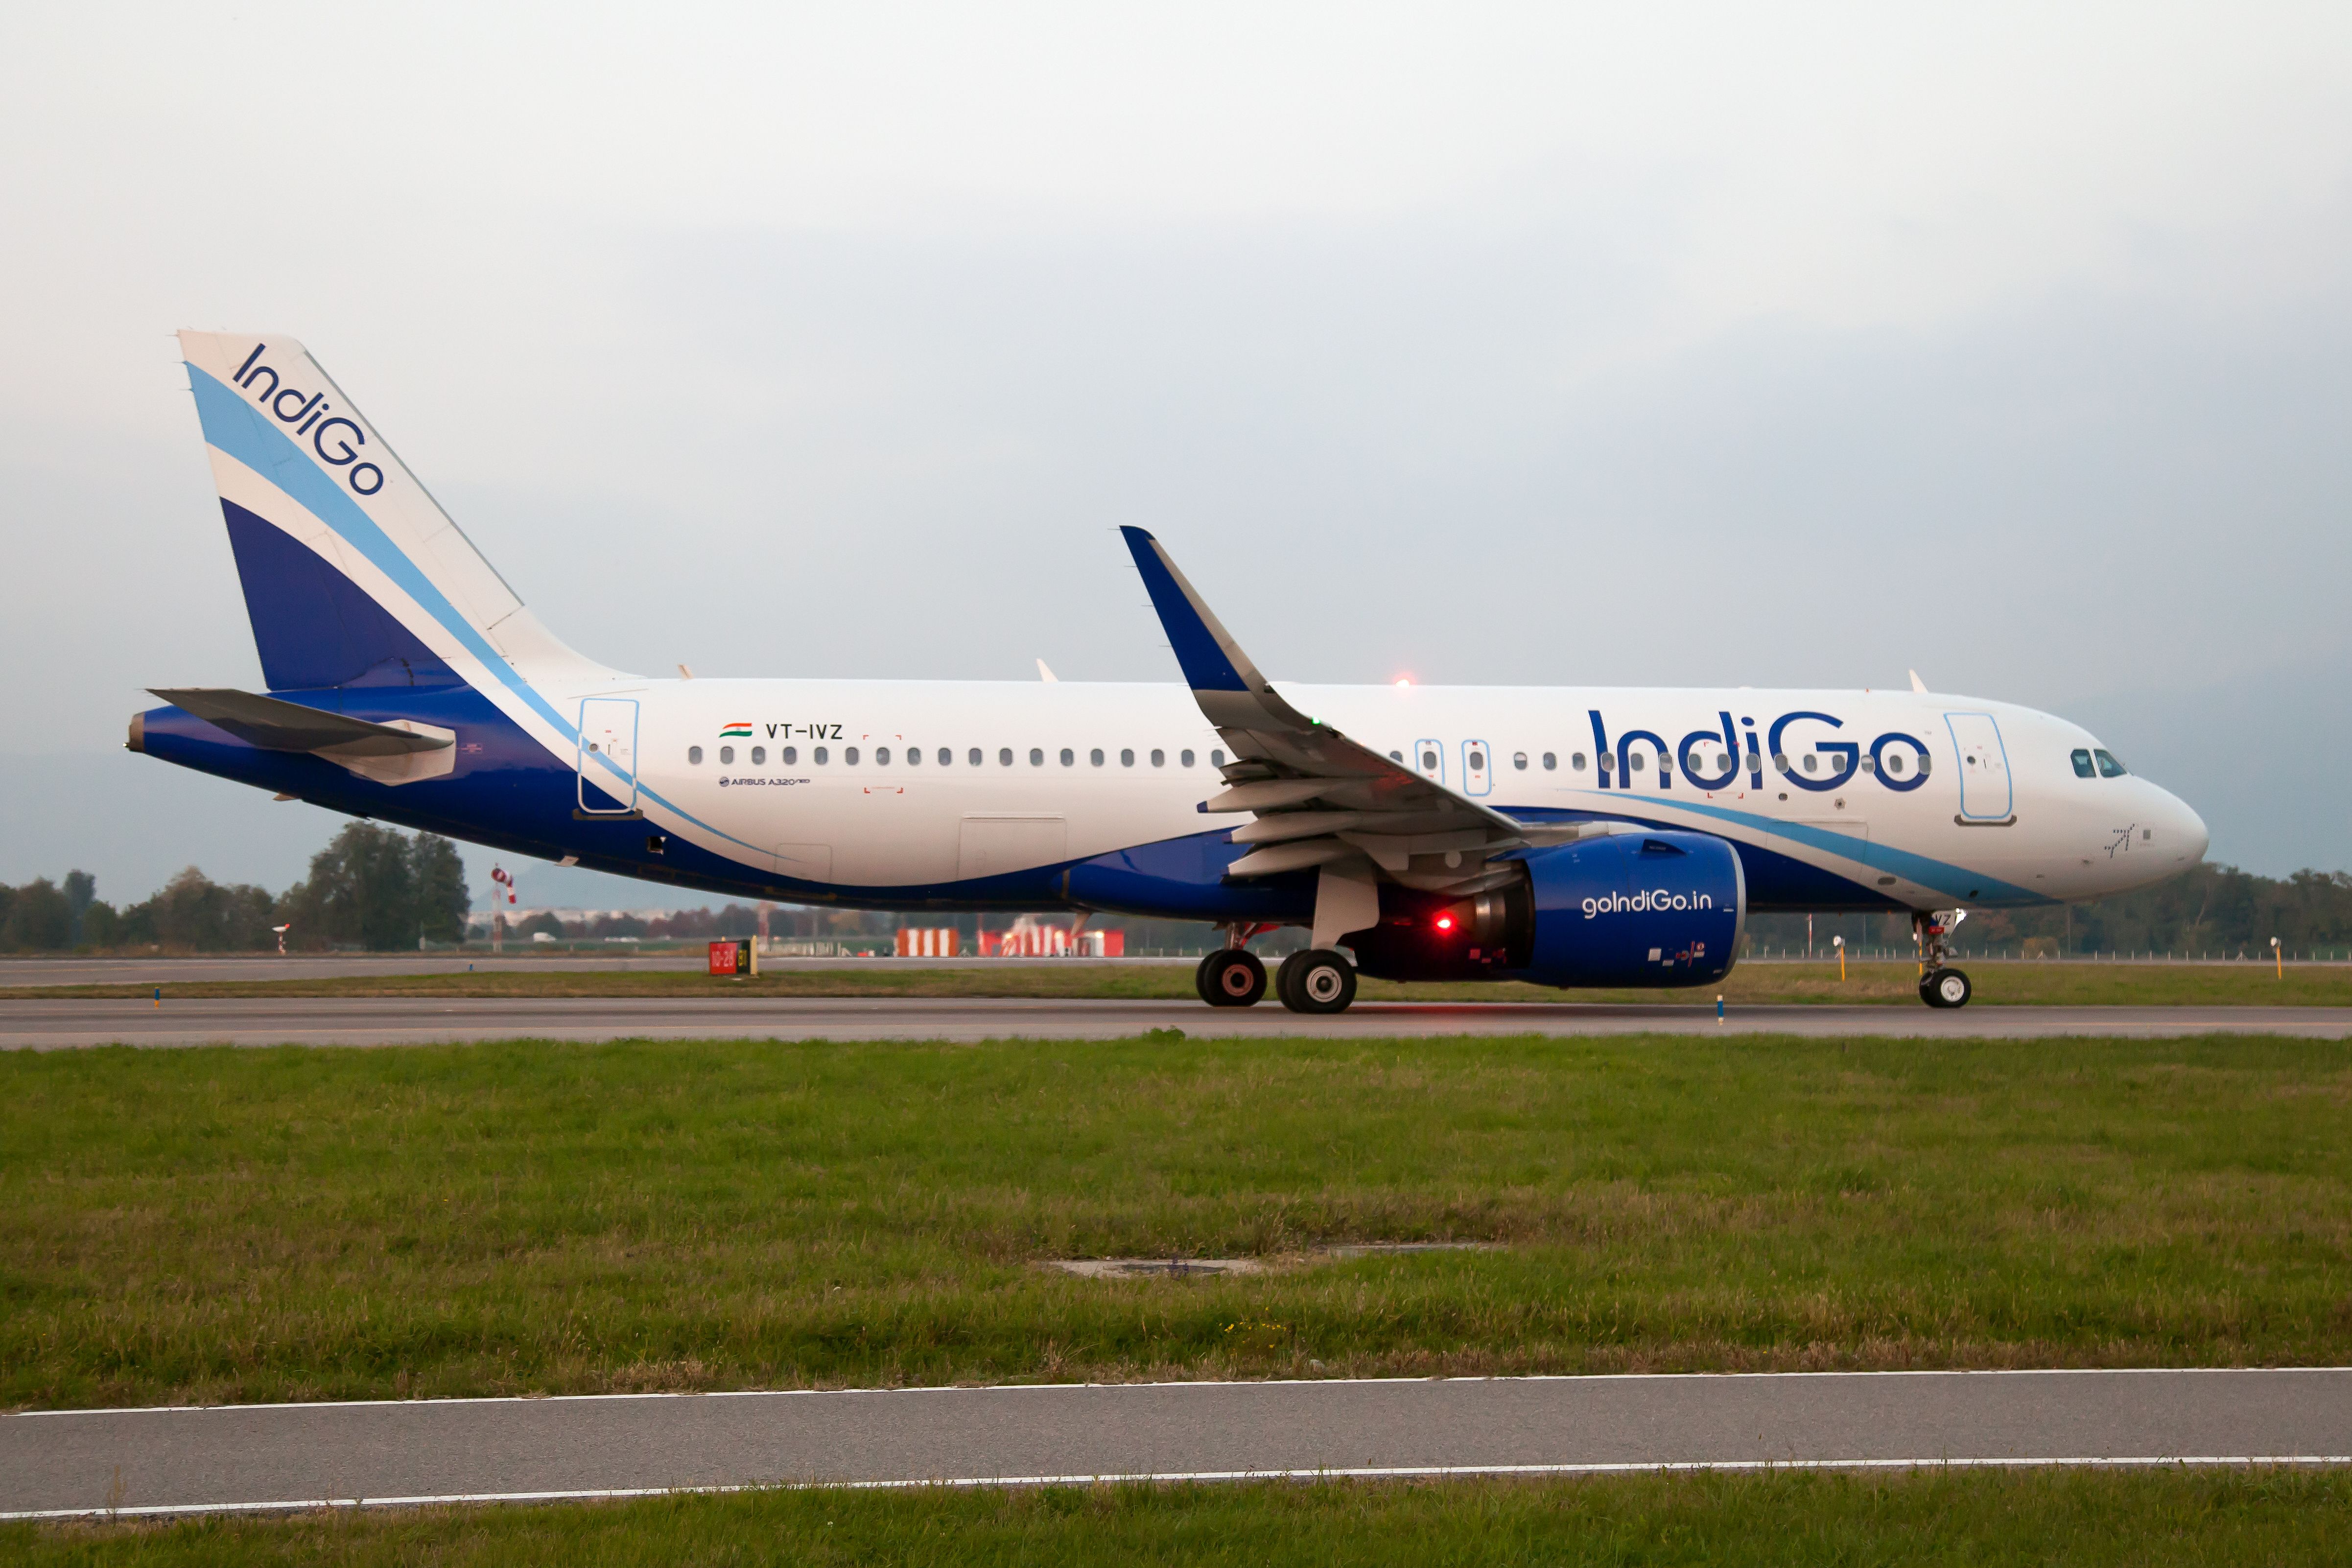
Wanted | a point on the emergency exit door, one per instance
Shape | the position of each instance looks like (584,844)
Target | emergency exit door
(608,755)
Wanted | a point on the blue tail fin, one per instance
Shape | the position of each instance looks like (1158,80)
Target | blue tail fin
(354,575)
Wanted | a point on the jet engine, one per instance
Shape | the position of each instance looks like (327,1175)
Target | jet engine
(1639,909)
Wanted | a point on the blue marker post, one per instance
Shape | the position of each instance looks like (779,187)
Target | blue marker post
(159,998)
(1718,1009)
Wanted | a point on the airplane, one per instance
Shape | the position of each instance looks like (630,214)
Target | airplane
(1572,837)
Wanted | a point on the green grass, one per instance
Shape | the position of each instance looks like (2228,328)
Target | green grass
(2189,1517)
(2059,984)
(225,1225)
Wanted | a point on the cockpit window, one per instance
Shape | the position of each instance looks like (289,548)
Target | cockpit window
(2108,767)
(2082,760)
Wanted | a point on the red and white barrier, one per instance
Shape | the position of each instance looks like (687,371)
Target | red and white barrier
(932,942)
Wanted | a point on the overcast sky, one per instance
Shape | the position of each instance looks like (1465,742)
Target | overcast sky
(1638,345)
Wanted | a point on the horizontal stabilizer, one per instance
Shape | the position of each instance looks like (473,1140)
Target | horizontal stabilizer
(277,726)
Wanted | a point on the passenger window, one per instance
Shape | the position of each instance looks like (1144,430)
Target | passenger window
(1429,762)
(759,756)
(1095,756)
(1069,758)
(726,756)
(1036,757)
(1217,759)
(1185,757)
(1638,762)
(1895,763)
(1477,762)
(789,756)
(2108,767)
(694,756)
(1869,765)
(914,756)
(1158,757)
(1004,757)
(1781,760)
(849,756)
(881,756)
(1813,763)
(1576,762)
(823,756)
(2082,761)
(1125,757)
(1551,762)
(1519,760)
(1396,756)
(972,757)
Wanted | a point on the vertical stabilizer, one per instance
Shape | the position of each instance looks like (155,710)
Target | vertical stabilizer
(354,575)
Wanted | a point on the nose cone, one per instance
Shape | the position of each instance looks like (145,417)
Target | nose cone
(2184,829)
(2193,832)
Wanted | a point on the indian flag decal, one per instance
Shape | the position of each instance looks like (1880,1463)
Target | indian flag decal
(734,731)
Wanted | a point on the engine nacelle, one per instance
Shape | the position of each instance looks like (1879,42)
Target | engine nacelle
(1635,909)
(1626,909)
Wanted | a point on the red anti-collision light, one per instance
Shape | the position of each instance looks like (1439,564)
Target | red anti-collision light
(1445,922)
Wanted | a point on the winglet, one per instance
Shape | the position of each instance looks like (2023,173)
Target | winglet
(1212,660)
(1225,682)
(1918,684)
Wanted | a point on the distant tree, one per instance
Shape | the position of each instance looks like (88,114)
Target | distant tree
(544,920)
(39,920)
(194,913)
(441,901)
(362,890)
(102,925)
(684,925)
(81,888)
(617,926)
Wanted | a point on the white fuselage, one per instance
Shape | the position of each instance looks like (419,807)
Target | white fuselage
(920,785)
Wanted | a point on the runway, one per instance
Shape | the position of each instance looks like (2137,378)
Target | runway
(162,970)
(294,1455)
(52,1024)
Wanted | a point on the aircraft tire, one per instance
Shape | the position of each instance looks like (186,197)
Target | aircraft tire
(1322,982)
(1285,980)
(1230,977)
(1946,989)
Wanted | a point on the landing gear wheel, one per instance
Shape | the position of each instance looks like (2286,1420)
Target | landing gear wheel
(1230,977)
(1946,989)
(1321,981)
(1286,978)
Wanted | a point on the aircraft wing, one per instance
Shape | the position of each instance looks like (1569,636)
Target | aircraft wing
(1320,799)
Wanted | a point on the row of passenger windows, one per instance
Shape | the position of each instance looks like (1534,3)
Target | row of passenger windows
(912,756)
(1898,763)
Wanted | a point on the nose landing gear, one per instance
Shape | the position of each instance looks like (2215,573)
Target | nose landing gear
(1940,985)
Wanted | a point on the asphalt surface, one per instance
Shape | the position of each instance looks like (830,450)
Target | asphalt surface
(161,970)
(52,1024)
(292,1456)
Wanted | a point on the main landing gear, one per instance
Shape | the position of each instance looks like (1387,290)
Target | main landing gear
(1318,980)
(1231,977)
(1940,985)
